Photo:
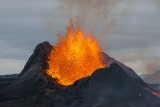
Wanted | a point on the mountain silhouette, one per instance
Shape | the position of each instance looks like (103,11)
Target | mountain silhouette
(113,86)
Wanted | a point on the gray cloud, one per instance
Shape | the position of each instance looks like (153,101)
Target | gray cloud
(21,29)
(11,66)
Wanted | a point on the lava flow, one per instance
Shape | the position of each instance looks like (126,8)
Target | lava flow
(76,55)
(155,93)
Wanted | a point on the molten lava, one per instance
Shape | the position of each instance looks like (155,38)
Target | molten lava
(76,55)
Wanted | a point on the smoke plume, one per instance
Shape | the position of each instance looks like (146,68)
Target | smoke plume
(93,15)
(85,8)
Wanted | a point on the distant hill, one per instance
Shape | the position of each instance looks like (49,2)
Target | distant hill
(9,76)
(153,78)
(5,80)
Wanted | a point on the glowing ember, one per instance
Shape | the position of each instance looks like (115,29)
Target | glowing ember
(155,93)
(75,56)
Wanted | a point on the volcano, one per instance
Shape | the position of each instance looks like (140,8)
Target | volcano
(114,86)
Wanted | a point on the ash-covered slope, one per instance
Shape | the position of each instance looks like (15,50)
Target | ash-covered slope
(130,72)
(116,86)
(32,79)
(112,87)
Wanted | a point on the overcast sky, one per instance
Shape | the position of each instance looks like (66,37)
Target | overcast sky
(128,30)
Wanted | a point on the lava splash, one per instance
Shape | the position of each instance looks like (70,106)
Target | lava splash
(74,56)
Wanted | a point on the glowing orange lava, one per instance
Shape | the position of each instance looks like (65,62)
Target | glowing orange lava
(75,56)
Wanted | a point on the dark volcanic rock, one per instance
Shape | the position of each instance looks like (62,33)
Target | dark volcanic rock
(131,73)
(32,79)
(6,80)
(112,87)
(115,86)
(156,87)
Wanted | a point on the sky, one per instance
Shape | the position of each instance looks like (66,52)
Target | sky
(128,30)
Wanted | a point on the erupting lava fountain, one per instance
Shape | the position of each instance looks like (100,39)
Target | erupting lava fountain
(74,56)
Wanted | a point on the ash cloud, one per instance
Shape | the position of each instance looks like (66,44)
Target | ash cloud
(90,12)
(157,3)
(84,8)
(94,16)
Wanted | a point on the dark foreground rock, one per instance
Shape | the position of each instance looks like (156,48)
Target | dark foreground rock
(115,86)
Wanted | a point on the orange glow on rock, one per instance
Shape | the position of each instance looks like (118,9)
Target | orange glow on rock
(76,55)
